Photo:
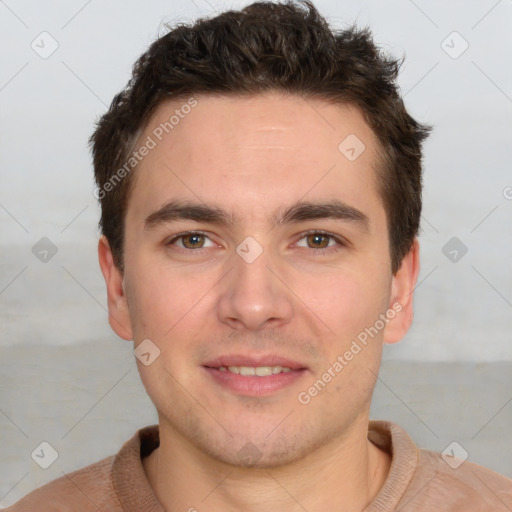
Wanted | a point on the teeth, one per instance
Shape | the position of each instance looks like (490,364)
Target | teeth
(260,371)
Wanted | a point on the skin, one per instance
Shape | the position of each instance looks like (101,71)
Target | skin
(252,157)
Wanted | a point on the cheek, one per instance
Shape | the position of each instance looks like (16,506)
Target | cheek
(165,302)
(150,300)
(346,301)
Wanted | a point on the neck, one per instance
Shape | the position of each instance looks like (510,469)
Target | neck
(345,474)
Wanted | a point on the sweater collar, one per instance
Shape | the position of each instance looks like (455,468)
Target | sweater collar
(130,480)
(404,460)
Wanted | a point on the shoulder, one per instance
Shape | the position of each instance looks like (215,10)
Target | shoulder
(87,489)
(448,483)
(424,480)
(108,484)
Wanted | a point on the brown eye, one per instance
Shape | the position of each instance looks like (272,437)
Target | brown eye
(318,240)
(321,241)
(193,241)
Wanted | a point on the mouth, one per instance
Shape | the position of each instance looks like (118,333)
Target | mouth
(259,371)
(254,376)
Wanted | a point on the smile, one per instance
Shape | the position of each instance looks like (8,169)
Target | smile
(258,380)
(260,371)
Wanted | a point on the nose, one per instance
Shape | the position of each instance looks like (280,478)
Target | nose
(252,295)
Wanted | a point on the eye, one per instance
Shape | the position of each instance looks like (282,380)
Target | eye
(198,240)
(190,240)
(321,240)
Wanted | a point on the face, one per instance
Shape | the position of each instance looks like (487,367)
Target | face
(250,292)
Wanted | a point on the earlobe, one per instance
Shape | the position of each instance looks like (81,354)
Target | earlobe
(402,292)
(118,313)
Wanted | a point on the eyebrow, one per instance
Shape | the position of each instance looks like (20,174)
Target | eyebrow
(298,212)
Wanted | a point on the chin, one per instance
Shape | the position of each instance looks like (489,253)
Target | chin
(254,457)
(261,450)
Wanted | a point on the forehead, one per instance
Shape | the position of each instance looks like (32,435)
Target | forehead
(255,153)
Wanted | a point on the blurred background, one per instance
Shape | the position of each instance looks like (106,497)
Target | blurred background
(67,379)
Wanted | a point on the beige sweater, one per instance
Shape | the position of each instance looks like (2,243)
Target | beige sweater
(418,480)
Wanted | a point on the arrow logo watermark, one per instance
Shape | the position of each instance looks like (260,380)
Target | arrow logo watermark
(44,250)
(44,455)
(249,454)
(249,250)
(454,249)
(146,352)
(454,455)
(351,147)
(454,45)
(44,45)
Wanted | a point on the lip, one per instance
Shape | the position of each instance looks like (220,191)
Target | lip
(260,360)
(249,385)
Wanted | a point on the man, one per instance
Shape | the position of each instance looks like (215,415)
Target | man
(260,185)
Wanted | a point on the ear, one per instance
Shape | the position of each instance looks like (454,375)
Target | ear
(118,313)
(402,291)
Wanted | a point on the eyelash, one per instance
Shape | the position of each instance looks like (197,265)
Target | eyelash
(341,242)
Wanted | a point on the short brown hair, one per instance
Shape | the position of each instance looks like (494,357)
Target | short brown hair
(287,47)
